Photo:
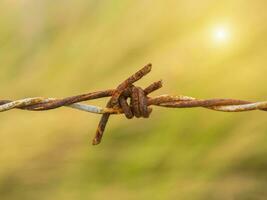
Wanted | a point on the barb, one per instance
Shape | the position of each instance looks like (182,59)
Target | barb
(138,106)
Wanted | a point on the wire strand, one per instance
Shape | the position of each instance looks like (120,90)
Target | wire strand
(138,106)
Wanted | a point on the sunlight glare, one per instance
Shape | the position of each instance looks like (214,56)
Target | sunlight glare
(221,34)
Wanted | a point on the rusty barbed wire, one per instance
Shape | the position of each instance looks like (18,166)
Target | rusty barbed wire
(138,106)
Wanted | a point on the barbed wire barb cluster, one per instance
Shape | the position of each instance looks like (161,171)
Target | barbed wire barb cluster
(130,100)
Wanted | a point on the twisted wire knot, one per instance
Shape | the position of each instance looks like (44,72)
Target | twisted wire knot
(138,106)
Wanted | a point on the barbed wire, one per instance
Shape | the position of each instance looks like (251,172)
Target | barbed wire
(130,100)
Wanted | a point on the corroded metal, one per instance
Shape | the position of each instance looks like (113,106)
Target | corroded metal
(139,104)
(114,101)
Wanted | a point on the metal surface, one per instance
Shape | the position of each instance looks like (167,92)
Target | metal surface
(138,106)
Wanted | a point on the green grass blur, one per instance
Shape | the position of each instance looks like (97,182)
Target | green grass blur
(61,48)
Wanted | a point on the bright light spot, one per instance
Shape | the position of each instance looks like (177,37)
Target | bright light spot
(221,34)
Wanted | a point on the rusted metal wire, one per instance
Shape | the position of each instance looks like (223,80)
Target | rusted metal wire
(130,100)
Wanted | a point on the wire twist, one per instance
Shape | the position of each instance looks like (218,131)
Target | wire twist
(130,100)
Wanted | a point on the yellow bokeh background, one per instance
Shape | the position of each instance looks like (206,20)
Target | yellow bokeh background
(62,48)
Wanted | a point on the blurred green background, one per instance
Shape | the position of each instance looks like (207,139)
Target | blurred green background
(202,48)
